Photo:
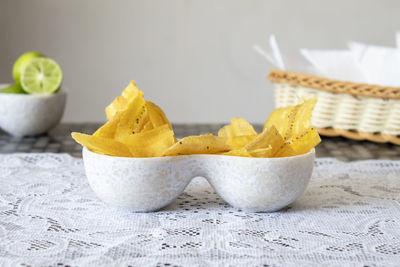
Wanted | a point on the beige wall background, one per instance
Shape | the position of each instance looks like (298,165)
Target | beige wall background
(194,58)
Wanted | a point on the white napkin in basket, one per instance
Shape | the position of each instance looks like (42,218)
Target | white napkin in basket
(361,63)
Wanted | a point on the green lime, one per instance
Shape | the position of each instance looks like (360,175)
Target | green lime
(13,89)
(21,63)
(41,76)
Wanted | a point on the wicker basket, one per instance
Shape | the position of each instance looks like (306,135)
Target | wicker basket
(352,110)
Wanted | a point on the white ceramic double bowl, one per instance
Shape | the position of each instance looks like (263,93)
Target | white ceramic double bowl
(25,115)
(149,184)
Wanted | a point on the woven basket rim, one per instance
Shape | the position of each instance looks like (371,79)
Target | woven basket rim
(357,135)
(334,86)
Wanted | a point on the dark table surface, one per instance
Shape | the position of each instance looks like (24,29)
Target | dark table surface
(59,141)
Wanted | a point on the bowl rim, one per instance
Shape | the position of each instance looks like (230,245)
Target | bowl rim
(61,91)
(107,157)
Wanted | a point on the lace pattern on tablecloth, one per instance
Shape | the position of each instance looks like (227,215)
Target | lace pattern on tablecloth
(349,215)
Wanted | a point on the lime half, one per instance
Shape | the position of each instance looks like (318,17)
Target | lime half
(21,63)
(41,76)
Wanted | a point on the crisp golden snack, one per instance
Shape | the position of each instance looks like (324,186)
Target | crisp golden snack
(269,139)
(102,145)
(132,119)
(109,128)
(262,152)
(240,141)
(157,116)
(151,143)
(299,144)
(238,134)
(240,152)
(140,128)
(293,120)
(201,144)
(293,124)
(121,102)
(238,127)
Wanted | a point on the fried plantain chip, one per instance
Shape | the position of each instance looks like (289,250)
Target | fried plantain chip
(102,145)
(303,117)
(240,126)
(202,144)
(147,126)
(131,91)
(240,152)
(282,118)
(117,105)
(157,115)
(152,143)
(299,144)
(109,128)
(132,119)
(269,136)
(225,132)
(237,127)
(240,141)
(262,152)
(121,102)
(292,120)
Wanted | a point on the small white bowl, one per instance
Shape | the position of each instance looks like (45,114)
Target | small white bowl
(23,115)
(149,184)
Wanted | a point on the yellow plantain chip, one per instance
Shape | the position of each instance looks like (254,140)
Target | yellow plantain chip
(292,120)
(269,137)
(131,91)
(299,144)
(262,152)
(237,127)
(202,144)
(303,117)
(278,117)
(145,121)
(290,123)
(240,141)
(299,118)
(132,119)
(240,127)
(282,119)
(225,132)
(152,143)
(122,102)
(147,127)
(157,115)
(102,145)
(109,128)
(240,152)
(264,139)
(118,104)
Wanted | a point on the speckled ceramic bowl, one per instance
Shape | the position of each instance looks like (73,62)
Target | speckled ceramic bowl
(148,184)
(22,115)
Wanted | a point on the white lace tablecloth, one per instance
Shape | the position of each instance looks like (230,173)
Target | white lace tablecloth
(348,216)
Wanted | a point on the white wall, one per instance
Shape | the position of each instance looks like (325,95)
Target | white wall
(194,58)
